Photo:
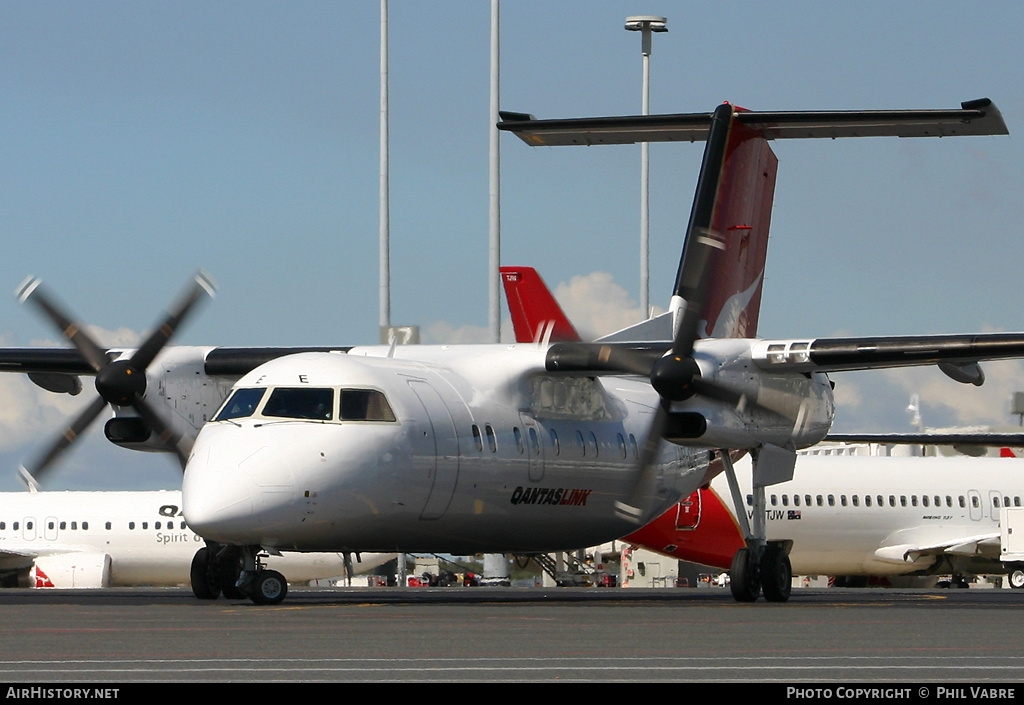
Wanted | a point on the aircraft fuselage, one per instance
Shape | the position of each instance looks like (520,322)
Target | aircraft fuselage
(462,449)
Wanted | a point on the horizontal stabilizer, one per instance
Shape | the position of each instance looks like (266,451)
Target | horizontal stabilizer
(976,117)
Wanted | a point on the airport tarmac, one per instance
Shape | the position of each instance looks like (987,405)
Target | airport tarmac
(119,636)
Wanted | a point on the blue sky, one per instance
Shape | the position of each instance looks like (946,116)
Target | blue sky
(142,140)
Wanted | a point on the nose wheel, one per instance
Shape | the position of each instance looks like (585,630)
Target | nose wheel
(268,588)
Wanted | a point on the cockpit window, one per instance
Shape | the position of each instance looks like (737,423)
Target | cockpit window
(365,405)
(301,403)
(241,403)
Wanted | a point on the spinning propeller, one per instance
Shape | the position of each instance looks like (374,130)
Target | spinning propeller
(120,382)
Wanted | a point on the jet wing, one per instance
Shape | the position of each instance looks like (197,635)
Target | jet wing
(976,117)
(981,544)
(980,439)
(17,555)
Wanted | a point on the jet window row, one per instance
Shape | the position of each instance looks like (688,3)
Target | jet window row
(879,500)
(307,403)
(584,446)
(30,525)
(73,525)
(156,525)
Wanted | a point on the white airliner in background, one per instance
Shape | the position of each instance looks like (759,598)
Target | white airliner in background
(852,515)
(106,539)
(522,448)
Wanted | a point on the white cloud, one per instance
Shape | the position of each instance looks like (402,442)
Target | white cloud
(596,305)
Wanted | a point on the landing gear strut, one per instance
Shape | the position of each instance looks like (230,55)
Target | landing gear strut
(760,567)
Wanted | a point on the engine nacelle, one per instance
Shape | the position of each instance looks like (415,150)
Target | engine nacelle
(185,395)
(71,570)
(790,410)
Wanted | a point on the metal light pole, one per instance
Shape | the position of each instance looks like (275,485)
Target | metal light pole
(384,256)
(646,25)
(494,189)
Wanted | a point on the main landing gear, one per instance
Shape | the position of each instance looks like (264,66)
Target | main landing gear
(767,571)
(236,572)
(760,567)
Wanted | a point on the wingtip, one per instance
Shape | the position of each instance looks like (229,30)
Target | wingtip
(627,512)
(26,288)
(28,479)
(207,282)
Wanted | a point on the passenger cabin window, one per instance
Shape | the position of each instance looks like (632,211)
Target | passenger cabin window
(534,441)
(240,404)
(366,405)
(312,403)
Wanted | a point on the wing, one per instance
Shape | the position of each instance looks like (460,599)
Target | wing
(52,363)
(802,356)
(986,545)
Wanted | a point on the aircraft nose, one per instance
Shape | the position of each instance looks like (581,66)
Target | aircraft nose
(240,483)
(217,504)
(236,488)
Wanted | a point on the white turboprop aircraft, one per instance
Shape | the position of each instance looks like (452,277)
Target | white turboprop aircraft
(106,539)
(525,448)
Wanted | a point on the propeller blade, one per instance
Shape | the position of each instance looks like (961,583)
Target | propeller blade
(644,482)
(698,269)
(119,382)
(38,469)
(32,290)
(202,285)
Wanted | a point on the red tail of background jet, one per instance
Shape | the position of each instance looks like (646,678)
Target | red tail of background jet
(536,315)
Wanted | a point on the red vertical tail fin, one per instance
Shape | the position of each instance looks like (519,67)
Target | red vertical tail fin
(742,216)
(536,316)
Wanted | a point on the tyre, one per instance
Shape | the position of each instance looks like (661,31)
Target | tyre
(203,586)
(268,588)
(1016,577)
(744,576)
(776,574)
